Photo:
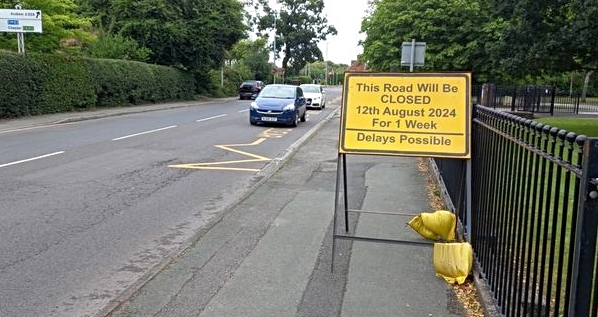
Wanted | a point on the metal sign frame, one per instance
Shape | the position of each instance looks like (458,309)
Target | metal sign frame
(373,92)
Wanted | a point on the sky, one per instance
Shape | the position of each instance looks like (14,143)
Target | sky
(346,16)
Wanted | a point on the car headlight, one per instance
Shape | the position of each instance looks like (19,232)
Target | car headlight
(289,107)
(253,105)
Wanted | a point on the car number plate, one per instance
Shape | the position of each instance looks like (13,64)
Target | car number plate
(268,118)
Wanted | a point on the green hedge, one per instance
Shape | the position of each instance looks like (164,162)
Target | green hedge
(298,80)
(41,84)
(20,92)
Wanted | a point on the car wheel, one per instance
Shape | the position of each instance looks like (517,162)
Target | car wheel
(252,122)
(294,123)
(303,116)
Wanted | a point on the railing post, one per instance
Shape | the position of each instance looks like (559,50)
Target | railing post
(552,97)
(484,95)
(514,100)
(585,235)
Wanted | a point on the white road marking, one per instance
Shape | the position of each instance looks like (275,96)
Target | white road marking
(31,159)
(142,133)
(210,118)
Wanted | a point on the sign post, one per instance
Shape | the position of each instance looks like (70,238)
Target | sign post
(413,54)
(403,114)
(20,22)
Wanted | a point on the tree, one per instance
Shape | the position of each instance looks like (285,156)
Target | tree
(544,39)
(317,71)
(98,11)
(535,40)
(253,55)
(299,26)
(117,47)
(191,34)
(583,32)
(454,33)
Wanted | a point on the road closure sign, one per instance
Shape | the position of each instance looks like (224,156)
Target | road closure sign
(410,114)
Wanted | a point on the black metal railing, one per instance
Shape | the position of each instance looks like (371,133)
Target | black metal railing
(534,99)
(534,214)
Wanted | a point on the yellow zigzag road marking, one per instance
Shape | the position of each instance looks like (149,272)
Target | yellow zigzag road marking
(229,147)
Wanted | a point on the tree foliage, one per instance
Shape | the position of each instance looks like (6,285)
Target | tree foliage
(546,38)
(299,26)
(192,34)
(583,29)
(534,41)
(117,47)
(516,40)
(319,70)
(252,58)
(452,30)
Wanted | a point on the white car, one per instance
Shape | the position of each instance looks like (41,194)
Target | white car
(314,95)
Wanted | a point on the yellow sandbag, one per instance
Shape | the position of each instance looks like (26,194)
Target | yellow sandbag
(453,261)
(441,222)
(417,223)
(436,225)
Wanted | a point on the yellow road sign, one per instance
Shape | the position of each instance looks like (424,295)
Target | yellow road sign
(413,114)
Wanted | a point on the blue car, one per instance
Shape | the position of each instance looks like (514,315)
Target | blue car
(283,104)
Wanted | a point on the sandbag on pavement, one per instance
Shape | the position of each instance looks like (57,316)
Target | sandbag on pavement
(438,225)
(453,261)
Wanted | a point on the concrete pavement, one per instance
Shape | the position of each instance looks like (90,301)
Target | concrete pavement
(242,267)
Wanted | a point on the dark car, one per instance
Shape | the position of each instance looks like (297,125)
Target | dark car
(249,89)
(280,103)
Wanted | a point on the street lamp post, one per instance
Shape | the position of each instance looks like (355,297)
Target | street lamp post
(326,82)
(274,50)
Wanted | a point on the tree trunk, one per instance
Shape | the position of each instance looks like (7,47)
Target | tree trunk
(586,82)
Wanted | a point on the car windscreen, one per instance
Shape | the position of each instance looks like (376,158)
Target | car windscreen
(280,92)
(311,89)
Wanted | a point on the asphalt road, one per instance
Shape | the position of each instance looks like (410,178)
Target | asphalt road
(89,208)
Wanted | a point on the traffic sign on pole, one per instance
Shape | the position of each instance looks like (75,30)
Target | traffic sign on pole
(20,21)
(413,54)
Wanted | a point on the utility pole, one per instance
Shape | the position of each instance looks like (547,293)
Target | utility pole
(326,75)
(274,49)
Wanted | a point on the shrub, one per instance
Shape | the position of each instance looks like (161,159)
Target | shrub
(41,84)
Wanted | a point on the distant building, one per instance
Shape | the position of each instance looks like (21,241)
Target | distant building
(357,65)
